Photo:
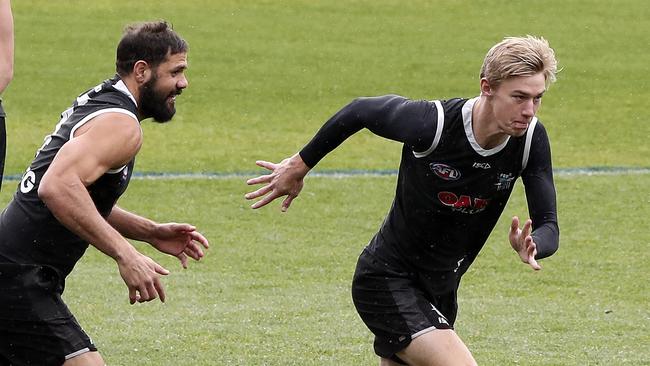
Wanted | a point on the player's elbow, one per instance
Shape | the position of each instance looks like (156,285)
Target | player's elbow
(46,190)
(51,189)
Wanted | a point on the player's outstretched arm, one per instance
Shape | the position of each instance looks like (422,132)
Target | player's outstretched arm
(180,240)
(286,179)
(522,242)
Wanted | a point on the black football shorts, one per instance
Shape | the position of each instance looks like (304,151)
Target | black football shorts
(398,305)
(36,327)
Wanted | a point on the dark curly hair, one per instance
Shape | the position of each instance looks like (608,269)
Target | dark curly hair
(150,42)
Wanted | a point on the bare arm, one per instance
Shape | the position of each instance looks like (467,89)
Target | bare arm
(180,240)
(6,44)
(108,141)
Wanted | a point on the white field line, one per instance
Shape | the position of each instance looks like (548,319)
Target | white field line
(338,174)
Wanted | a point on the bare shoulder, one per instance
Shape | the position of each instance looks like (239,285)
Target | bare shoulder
(112,125)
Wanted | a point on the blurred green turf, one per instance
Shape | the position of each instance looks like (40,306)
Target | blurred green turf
(264,75)
(274,288)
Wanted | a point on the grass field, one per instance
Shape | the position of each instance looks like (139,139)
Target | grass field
(264,75)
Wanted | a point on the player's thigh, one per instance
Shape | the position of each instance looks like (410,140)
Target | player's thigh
(437,347)
(86,359)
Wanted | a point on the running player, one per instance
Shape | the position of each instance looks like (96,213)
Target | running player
(67,199)
(459,162)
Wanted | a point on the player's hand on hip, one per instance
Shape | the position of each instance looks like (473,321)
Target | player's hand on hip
(522,242)
(286,179)
(179,240)
(142,276)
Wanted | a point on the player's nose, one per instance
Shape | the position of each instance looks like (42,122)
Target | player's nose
(182,83)
(528,110)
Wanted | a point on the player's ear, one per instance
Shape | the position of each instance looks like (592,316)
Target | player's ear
(141,71)
(486,88)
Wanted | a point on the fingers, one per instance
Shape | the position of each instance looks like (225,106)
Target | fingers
(147,291)
(197,236)
(159,289)
(287,202)
(531,249)
(160,269)
(259,193)
(266,164)
(142,277)
(514,226)
(527,228)
(133,297)
(261,179)
(183,258)
(264,201)
(533,263)
(181,227)
(194,251)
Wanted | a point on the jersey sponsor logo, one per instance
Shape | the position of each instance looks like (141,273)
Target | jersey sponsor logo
(478,165)
(463,203)
(504,181)
(28,182)
(445,171)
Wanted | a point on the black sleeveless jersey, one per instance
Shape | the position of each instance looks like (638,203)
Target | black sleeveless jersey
(450,191)
(29,232)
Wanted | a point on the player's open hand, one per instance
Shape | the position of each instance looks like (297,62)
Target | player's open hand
(285,179)
(142,276)
(522,242)
(180,240)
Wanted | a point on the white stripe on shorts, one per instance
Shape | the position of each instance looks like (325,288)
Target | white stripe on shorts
(77,353)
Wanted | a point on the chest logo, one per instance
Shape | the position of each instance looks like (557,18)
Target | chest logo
(463,203)
(504,181)
(478,165)
(445,171)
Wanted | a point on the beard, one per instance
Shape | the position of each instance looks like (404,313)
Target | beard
(153,103)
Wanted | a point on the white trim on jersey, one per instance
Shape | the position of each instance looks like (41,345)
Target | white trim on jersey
(529,139)
(122,87)
(469,132)
(439,126)
(97,113)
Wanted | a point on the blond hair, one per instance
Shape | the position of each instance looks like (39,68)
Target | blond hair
(519,56)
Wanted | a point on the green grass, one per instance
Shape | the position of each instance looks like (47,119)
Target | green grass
(264,75)
(274,288)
